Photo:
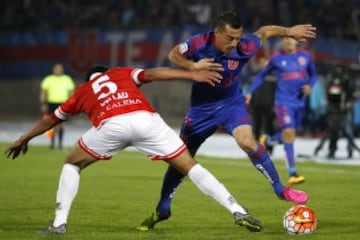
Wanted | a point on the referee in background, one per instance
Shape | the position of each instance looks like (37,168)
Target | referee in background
(55,89)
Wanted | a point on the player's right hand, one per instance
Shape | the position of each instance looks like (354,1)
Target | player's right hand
(208,64)
(16,148)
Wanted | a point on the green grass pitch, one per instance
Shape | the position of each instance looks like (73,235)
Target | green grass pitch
(115,196)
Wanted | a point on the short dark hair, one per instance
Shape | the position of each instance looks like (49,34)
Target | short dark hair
(228,18)
(95,69)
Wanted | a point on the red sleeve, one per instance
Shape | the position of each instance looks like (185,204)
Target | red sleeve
(137,75)
(55,118)
(68,109)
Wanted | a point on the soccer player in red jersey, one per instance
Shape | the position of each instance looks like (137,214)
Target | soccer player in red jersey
(121,116)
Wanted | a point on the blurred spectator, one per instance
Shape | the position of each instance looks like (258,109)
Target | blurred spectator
(340,99)
(335,19)
(315,115)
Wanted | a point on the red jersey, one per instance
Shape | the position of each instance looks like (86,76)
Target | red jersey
(109,94)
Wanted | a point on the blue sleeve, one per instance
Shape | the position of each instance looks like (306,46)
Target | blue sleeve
(190,49)
(250,44)
(311,72)
(259,78)
(192,46)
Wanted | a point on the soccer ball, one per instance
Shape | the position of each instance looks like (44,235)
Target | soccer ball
(300,219)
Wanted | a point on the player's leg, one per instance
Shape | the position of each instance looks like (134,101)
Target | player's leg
(95,144)
(276,138)
(68,186)
(237,123)
(210,186)
(261,160)
(289,138)
(295,116)
(193,137)
(194,134)
(161,142)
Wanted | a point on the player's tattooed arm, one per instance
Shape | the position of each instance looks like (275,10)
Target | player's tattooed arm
(163,74)
(299,32)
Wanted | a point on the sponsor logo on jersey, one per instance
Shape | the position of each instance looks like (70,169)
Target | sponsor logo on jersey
(302,60)
(287,119)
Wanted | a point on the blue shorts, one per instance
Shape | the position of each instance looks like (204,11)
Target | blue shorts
(202,121)
(289,116)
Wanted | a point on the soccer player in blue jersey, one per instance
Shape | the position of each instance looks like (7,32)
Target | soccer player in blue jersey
(296,74)
(224,50)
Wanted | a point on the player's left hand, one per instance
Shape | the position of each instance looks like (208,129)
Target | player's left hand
(302,32)
(210,77)
(306,89)
(16,148)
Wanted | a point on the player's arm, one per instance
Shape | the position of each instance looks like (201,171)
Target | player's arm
(42,99)
(176,56)
(164,74)
(311,70)
(259,80)
(21,145)
(299,32)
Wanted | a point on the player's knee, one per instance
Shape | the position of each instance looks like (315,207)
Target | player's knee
(247,144)
(72,159)
(183,163)
(76,159)
(288,135)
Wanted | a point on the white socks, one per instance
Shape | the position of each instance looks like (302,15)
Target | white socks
(210,186)
(67,190)
(202,178)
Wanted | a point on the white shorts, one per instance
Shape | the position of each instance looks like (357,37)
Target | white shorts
(144,130)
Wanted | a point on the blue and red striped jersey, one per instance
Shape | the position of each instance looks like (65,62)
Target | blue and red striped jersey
(202,46)
(293,71)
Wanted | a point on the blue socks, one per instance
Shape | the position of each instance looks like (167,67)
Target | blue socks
(172,180)
(263,163)
(289,149)
(259,158)
(274,139)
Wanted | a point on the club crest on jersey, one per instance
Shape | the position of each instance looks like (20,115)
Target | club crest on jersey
(302,60)
(233,64)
